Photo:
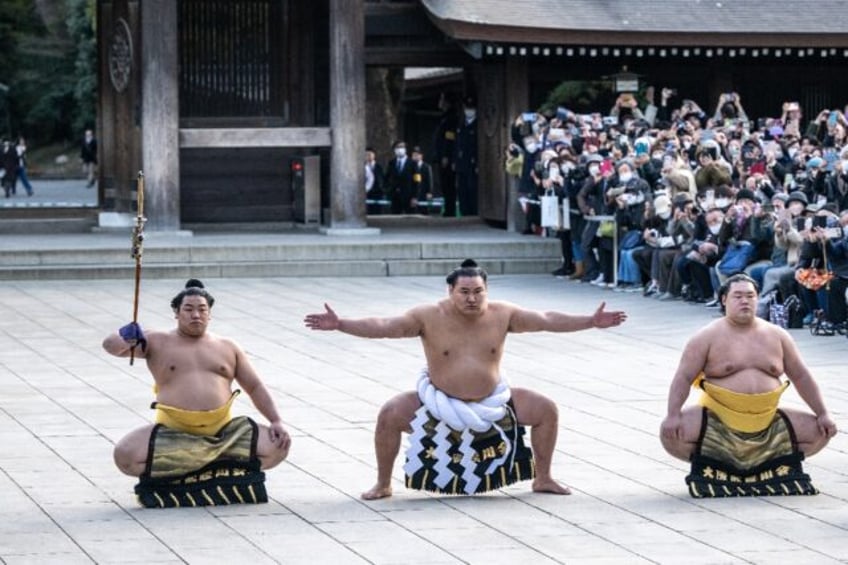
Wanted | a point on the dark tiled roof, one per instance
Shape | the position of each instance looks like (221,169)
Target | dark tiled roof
(778,22)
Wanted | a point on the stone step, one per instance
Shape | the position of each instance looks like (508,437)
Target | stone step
(292,255)
(341,268)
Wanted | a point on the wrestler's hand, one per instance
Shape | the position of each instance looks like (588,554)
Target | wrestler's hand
(602,319)
(324,321)
(279,436)
(672,427)
(826,425)
(133,335)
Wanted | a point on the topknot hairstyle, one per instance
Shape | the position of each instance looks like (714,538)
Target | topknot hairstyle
(468,268)
(193,287)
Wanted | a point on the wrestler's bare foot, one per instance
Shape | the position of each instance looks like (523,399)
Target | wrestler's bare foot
(549,486)
(376,492)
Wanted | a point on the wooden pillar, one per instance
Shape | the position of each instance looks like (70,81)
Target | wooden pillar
(160,116)
(347,114)
(516,101)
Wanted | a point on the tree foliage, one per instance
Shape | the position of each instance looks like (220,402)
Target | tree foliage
(50,68)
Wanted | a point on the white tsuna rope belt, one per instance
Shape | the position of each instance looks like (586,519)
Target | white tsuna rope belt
(460,416)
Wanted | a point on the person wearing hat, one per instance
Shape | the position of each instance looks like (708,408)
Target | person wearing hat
(813,181)
(465,161)
(710,171)
(796,203)
(837,182)
(592,201)
(787,240)
(745,222)
(778,202)
(658,241)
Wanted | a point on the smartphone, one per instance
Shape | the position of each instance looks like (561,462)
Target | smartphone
(819,221)
(833,233)
(800,224)
(831,119)
(529,116)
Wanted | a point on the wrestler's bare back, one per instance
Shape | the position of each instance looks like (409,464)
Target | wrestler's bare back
(193,373)
(748,360)
(464,352)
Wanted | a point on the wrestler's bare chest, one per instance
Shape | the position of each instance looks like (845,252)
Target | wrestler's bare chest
(749,363)
(189,361)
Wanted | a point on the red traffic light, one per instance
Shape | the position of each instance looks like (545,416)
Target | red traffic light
(297,166)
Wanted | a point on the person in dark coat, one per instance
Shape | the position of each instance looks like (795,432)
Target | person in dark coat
(466,160)
(9,164)
(399,187)
(444,145)
(422,181)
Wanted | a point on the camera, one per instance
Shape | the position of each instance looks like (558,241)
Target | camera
(579,173)
(563,114)
(541,169)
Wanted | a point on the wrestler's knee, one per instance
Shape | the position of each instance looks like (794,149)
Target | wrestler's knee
(396,414)
(534,409)
(273,457)
(126,457)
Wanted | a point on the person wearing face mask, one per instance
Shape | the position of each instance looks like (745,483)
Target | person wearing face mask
(443,151)
(693,268)
(399,185)
(824,244)
(710,172)
(837,182)
(592,201)
(629,195)
(374,180)
(837,252)
(745,221)
(572,229)
(525,140)
(658,241)
(787,239)
(814,182)
(465,159)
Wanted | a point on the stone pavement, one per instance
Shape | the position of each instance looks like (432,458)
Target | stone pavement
(52,193)
(64,403)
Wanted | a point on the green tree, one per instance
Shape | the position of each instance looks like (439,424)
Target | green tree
(81,26)
(48,60)
(17,18)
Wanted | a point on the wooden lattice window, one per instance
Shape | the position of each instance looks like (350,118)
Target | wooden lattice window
(231,55)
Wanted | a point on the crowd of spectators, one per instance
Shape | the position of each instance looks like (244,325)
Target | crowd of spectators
(695,198)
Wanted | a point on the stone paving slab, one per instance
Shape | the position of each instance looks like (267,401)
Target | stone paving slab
(64,403)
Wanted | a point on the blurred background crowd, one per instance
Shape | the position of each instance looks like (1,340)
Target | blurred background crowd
(666,198)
